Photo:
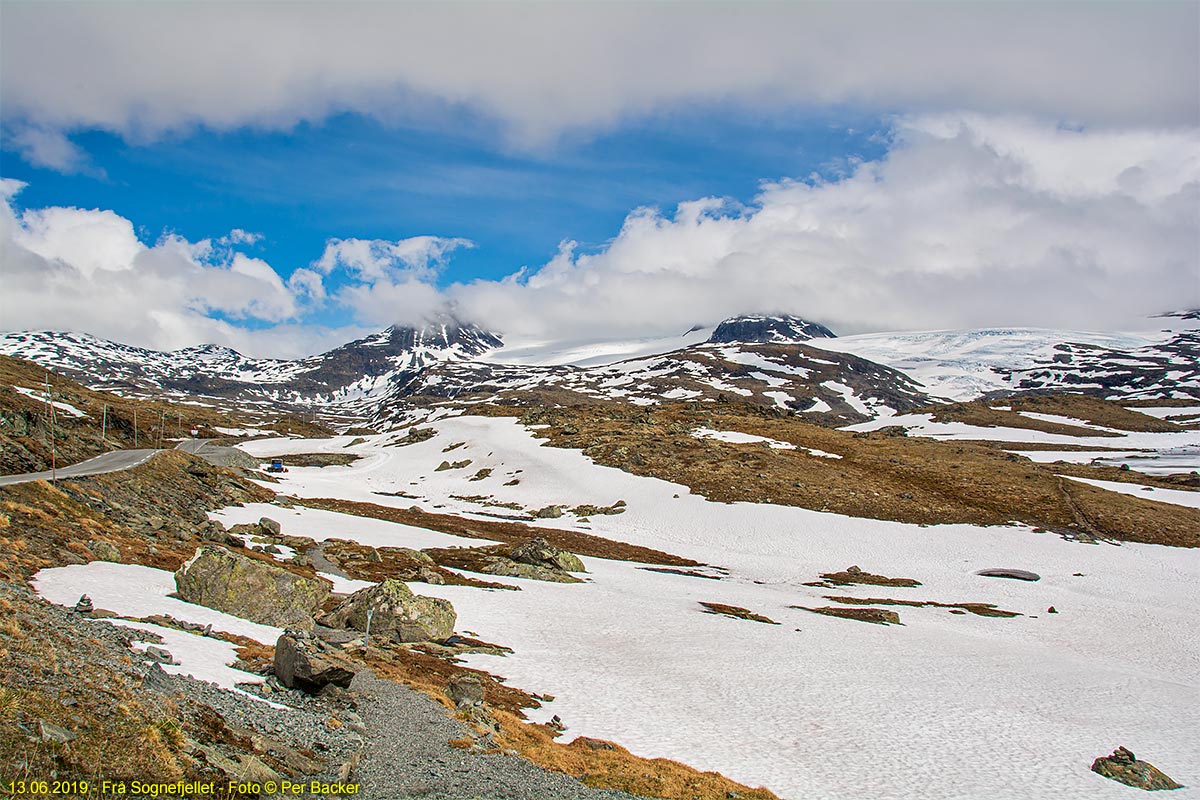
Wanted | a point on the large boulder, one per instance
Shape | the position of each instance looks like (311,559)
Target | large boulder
(260,591)
(540,553)
(1123,766)
(394,612)
(300,664)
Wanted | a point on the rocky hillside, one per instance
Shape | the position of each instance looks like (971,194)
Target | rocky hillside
(88,422)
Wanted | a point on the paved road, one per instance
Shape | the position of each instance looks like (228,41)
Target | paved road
(108,462)
(193,446)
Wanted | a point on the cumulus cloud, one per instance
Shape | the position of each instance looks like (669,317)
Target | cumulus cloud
(80,269)
(391,282)
(141,69)
(968,221)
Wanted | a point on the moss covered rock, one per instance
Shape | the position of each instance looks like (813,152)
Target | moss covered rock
(259,591)
(394,612)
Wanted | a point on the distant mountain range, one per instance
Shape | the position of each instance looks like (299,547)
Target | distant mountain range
(778,361)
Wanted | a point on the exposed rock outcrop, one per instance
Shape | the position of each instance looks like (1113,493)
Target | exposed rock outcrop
(260,591)
(535,559)
(394,612)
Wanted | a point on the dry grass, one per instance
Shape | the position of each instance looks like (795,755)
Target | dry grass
(854,576)
(907,479)
(735,612)
(499,531)
(979,609)
(1103,413)
(610,766)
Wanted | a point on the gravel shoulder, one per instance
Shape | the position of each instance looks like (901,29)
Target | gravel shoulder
(408,755)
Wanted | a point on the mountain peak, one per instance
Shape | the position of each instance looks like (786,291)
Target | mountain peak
(769,329)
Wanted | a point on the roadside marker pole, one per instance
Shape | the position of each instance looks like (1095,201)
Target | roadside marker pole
(103,426)
(135,427)
(53,458)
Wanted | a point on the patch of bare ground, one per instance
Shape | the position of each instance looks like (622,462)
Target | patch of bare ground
(583,544)
(1105,472)
(852,576)
(1104,413)
(375,564)
(74,705)
(980,609)
(880,476)
(153,514)
(605,765)
(876,616)
(314,459)
(735,612)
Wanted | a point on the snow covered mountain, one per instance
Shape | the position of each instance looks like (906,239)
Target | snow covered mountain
(781,362)
(343,378)
(1162,361)
(780,329)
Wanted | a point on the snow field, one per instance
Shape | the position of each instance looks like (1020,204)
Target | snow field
(941,707)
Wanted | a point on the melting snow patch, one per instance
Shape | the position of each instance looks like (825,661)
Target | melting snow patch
(734,437)
(130,590)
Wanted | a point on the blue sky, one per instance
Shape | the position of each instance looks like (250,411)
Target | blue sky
(897,165)
(353,176)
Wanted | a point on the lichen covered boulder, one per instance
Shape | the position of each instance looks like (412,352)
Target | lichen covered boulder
(540,553)
(1123,766)
(259,591)
(394,612)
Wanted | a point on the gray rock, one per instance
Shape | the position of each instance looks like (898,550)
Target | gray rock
(260,591)
(105,551)
(1016,574)
(270,526)
(300,665)
(55,733)
(465,689)
(160,655)
(394,612)
(540,553)
(549,512)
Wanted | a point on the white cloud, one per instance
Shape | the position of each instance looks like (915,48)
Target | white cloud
(370,260)
(968,221)
(49,147)
(78,269)
(142,69)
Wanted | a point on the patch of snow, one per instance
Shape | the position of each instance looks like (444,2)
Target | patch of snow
(66,408)
(202,657)
(1162,412)
(849,396)
(781,399)
(131,590)
(1178,497)
(733,437)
